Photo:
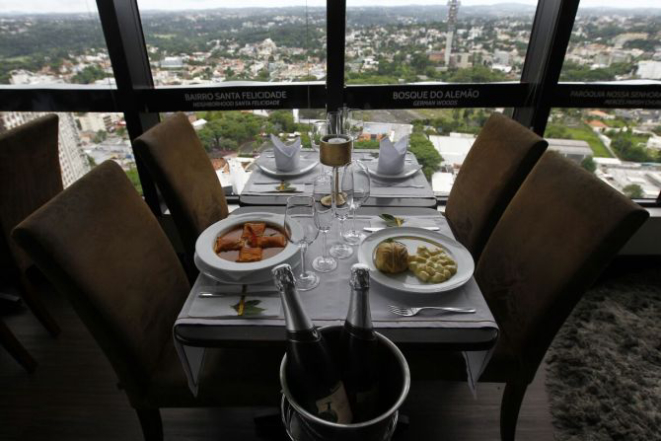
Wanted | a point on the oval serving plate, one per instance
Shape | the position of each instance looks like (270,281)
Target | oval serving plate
(412,237)
(208,262)
(267,165)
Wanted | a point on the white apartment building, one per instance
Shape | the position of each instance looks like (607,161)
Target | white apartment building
(73,162)
(649,70)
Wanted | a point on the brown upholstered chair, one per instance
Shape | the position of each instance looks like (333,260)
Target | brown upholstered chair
(554,239)
(501,157)
(100,245)
(29,177)
(179,165)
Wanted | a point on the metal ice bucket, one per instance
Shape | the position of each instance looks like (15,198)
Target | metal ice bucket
(394,384)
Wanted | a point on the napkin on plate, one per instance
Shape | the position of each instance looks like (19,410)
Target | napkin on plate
(392,156)
(286,156)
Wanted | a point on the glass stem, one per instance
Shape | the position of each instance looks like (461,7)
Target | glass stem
(304,247)
(325,243)
(353,220)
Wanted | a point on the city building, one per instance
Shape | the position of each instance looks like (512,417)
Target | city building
(73,162)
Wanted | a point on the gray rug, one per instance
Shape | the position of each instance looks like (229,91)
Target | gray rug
(604,367)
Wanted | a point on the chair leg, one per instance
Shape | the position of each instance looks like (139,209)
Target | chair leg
(509,409)
(152,425)
(16,349)
(31,298)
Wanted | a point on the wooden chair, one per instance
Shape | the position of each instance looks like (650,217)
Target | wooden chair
(554,239)
(29,177)
(99,244)
(501,157)
(181,169)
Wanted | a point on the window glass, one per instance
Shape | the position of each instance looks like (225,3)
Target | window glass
(51,42)
(614,42)
(235,41)
(85,140)
(392,41)
(440,138)
(620,146)
(234,139)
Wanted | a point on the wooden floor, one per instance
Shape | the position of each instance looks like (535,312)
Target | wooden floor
(73,396)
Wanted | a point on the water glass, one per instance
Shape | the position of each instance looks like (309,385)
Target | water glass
(342,195)
(300,211)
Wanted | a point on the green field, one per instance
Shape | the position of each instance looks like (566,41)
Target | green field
(584,133)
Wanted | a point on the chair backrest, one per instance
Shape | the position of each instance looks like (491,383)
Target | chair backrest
(179,165)
(30,176)
(501,157)
(554,239)
(99,244)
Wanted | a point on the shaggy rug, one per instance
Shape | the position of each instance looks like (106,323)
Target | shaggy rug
(604,366)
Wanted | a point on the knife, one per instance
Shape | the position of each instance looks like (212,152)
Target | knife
(221,294)
(375,229)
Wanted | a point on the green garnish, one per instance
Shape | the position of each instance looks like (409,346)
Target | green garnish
(283,186)
(392,221)
(249,307)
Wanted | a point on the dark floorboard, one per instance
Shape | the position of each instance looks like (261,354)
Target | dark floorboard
(73,396)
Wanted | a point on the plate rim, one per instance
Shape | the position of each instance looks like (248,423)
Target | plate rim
(429,288)
(290,174)
(416,168)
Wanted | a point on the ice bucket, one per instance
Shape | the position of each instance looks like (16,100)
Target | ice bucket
(394,384)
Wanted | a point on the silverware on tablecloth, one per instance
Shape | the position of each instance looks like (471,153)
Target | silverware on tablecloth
(375,229)
(388,185)
(226,294)
(410,312)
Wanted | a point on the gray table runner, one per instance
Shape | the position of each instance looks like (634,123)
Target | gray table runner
(416,186)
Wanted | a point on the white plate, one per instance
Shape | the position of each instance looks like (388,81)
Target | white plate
(408,171)
(267,165)
(208,262)
(412,237)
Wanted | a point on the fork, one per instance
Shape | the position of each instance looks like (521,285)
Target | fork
(410,312)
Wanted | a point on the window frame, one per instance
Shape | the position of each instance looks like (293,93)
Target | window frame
(140,101)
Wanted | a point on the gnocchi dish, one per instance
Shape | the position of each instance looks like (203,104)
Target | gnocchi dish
(432,265)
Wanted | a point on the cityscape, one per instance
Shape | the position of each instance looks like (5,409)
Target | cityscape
(384,45)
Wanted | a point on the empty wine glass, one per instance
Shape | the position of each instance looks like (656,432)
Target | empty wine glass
(341,194)
(300,211)
(317,130)
(353,123)
(324,217)
(356,177)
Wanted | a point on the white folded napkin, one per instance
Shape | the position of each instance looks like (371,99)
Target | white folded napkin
(286,156)
(392,156)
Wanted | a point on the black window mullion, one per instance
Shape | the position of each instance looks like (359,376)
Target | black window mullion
(549,39)
(336,13)
(122,28)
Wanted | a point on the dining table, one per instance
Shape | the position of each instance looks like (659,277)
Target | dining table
(209,317)
(411,190)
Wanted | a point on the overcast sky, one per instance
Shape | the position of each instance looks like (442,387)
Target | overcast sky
(90,5)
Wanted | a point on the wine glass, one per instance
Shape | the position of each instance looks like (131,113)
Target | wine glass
(300,211)
(324,217)
(317,130)
(358,174)
(353,123)
(341,200)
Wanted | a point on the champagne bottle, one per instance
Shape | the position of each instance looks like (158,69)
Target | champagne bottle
(312,375)
(359,348)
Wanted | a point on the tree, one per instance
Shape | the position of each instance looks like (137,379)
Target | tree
(633,191)
(426,153)
(99,137)
(283,120)
(589,164)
